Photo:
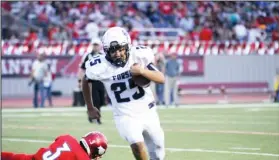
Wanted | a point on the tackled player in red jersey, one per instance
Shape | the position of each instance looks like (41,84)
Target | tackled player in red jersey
(65,147)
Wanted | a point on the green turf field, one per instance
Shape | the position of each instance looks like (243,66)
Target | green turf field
(242,133)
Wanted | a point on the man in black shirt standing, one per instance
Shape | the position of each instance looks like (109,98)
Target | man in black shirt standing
(98,90)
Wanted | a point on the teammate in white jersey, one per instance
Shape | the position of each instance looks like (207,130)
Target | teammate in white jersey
(133,106)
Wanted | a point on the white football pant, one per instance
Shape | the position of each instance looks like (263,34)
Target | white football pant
(143,128)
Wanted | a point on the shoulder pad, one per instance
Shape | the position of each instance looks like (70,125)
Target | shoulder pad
(96,67)
(143,54)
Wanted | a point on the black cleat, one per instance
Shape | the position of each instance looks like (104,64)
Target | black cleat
(90,120)
(99,121)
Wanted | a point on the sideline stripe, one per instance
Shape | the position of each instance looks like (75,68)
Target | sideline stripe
(168,149)
(202,106)
(177,121)
(78,114)
(165,129)
(245,148)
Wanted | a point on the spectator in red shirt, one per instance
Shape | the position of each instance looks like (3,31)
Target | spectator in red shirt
(32,36)
(85,6)
(134,34)
(43,17)
(167,10)
(72,28)
(51,31)
(6,6)
(66,147)
(206,33)
(194,35)
(181,9)
(275,34)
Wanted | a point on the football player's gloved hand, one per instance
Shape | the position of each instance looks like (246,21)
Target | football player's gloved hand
(93,113)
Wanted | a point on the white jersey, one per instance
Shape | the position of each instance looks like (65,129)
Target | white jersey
(40,69)
(126,97)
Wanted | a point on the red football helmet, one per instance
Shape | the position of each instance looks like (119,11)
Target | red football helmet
(95,143)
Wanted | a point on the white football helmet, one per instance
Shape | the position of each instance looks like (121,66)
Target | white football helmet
(96,41)
(114,39)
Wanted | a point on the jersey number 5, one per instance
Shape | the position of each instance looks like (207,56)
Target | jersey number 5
(92,63)
(122,87)
(52,156)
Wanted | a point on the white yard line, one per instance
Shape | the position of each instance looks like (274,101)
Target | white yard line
(256,105)
(245,148)
(168,149)
(218,115)
(164,121)
(253,109)
(51,114)
(165,129)
(163,116)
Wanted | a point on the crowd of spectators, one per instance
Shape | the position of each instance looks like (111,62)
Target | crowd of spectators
(61,20)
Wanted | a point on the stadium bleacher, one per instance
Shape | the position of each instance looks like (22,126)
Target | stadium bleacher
(183,28)
(210,21)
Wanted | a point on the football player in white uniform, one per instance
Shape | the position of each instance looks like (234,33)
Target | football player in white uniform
(133,106)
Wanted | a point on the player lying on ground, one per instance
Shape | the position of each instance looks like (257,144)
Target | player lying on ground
(65,147)
(133,105)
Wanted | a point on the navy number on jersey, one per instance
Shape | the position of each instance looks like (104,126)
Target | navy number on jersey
(95,61)
(141,47)
(120,87)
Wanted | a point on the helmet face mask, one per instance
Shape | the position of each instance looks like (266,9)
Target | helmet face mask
(117,40)
(117,59)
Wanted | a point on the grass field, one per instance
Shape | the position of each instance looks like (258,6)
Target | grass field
(227,132)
